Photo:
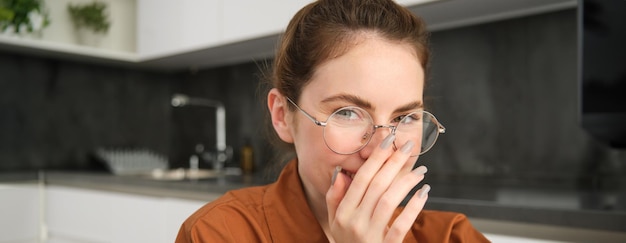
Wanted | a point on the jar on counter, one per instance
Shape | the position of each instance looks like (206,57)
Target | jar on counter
(247,158)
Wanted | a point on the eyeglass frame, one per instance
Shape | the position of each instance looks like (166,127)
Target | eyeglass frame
(440,128)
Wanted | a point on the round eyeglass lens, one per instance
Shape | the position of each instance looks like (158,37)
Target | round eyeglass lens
(421,127)
(348,130)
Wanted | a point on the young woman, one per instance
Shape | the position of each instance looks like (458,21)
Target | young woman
(347,95)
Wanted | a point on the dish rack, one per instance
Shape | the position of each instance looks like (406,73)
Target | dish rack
(132,161)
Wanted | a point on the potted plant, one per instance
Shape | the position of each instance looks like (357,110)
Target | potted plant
(23,16)
(91,21)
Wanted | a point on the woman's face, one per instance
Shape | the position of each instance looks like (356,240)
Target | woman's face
(384,78)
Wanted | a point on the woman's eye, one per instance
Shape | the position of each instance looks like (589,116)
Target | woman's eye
(407,119)
(348,114)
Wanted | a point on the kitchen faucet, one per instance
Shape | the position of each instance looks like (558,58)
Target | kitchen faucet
(223,152)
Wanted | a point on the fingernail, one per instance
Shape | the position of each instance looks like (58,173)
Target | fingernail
(406,148)
(424,191)
(337,170)
(387,141)
(420,170)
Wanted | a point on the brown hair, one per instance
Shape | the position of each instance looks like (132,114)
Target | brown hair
(324,29)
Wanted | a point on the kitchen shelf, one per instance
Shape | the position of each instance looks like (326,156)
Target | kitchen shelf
(42,46)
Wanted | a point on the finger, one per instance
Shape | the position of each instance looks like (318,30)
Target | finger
(336,192)
(408,166)
(410,163)
(398,229)
(384,178)
(367,171)
(394,196)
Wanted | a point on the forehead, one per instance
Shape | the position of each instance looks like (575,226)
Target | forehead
(383,72)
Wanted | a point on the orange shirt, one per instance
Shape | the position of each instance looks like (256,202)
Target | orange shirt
(279,212)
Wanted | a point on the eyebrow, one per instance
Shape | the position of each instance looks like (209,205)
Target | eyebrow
(367,105)
(410,106)
(351,99)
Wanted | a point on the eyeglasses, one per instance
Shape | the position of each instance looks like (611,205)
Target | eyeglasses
(349,129)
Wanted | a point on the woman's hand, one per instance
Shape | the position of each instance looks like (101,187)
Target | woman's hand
(360,208)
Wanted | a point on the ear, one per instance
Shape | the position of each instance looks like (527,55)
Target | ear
(281,116)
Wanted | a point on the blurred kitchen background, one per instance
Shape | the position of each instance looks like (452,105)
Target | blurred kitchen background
(504,81)
(506,90)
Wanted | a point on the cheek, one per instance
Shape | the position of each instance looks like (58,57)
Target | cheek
(310,146)
(315,160)
(306,136)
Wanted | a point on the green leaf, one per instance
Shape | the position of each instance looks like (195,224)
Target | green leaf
(91,15)
(16,14)
(6,14)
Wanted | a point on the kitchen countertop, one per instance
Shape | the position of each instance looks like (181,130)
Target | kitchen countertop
(555,206)
(202,189)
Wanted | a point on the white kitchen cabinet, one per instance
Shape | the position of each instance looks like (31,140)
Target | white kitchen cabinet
(84,215)
(171,27)
(249,19)
(20,212)
(166,27)
(78,214)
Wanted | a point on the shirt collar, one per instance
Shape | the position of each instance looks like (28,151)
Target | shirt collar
(287,212)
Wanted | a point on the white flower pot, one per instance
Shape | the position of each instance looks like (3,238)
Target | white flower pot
(87,37)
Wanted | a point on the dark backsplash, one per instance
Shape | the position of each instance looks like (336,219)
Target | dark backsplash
(506,92)
(508,95)
(53,113)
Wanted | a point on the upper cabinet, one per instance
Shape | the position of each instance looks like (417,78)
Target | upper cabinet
(184,34)
(244,20)
(212,32)
(249,19)
(166,27)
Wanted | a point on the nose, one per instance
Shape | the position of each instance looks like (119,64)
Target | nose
(379,134)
